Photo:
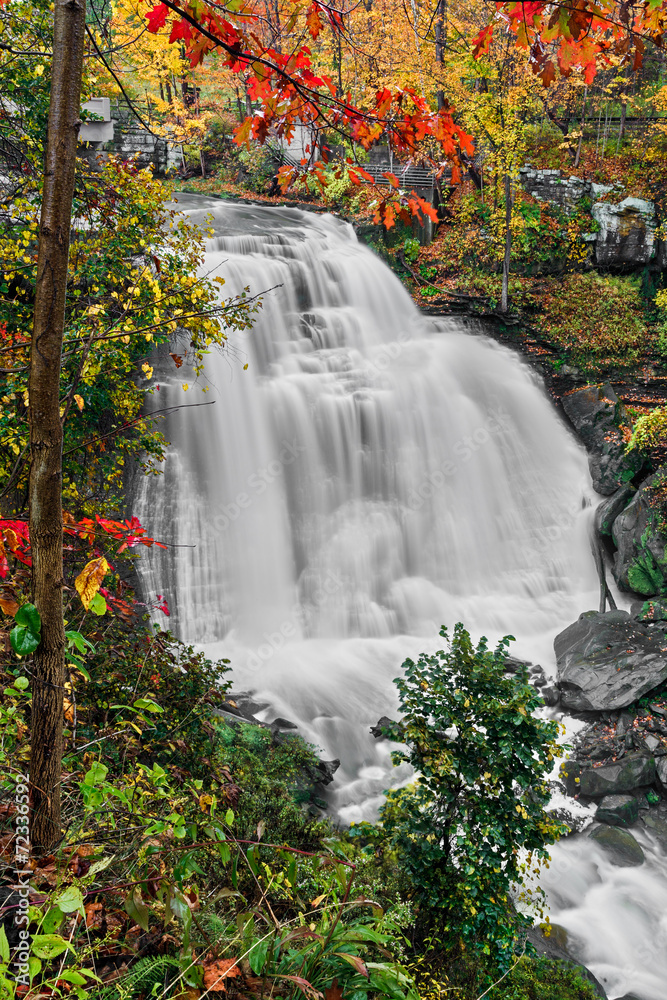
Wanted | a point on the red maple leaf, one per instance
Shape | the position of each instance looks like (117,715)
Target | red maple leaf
(157,17)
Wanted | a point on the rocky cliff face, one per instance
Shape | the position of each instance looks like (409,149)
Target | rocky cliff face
(627,232)
(622,232)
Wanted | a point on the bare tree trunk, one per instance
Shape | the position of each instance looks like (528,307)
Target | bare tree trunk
(441,42)
(581,129)
(504,298)
(46,519)
(621,127)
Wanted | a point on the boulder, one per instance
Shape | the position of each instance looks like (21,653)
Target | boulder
(661,772)
(608,660)
(570,773)
(640,536)
(620,845)
(657,825)
(597,415)
(618,810)
(632,771)
(626,234)
(607,512)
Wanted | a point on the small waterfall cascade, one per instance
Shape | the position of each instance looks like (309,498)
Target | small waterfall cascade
(372,475)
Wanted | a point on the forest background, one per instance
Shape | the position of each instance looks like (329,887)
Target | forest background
(160,799)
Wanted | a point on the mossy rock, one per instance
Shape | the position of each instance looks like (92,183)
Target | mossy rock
(546,979)
(640,536)
(599,417)
(621,847)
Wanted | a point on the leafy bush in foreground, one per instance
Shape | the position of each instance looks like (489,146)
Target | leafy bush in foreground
(474,823)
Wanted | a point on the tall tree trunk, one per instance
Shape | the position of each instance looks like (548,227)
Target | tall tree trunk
(504,298)
(46,519)
(441,42)
(581,129)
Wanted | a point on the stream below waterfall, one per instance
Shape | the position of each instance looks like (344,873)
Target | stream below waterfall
(373,475)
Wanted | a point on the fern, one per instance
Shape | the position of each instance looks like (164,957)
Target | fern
(142,978)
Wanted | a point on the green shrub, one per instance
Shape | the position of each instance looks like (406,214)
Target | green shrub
(459,832)
(598,319)
(650,430)
(275,780)
(543,979)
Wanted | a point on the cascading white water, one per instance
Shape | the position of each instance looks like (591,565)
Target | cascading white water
(371,476)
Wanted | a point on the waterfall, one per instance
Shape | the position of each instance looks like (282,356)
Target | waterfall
(372,475)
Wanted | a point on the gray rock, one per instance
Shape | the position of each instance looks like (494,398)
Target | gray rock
(550,185)
(627,232)
(550,695)
(633,771)
(640,536)
(570,773)
(609,509)
(657,825)
(618,810)
(661,772)
(607,661)
(620,845)
(327,770)
(597,414)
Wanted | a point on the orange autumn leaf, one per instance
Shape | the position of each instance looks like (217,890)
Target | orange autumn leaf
(9,606)
(217,972)
(89,580)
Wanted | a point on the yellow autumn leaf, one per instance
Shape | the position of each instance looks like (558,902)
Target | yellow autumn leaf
(89,580)
(147,370)
(78,400)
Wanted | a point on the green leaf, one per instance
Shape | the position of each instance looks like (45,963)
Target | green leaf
(28,616)
(71,976)
(147,705)
(96,774)
(137,909)
(49,946)
(4,945)
(79,641)
(354,961)
(24,642)
(229,817)
(52,920)
(98,605)
(21,683)
(257,956)
(70,900)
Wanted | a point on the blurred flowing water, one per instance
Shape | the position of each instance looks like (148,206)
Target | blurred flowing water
(373,475)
